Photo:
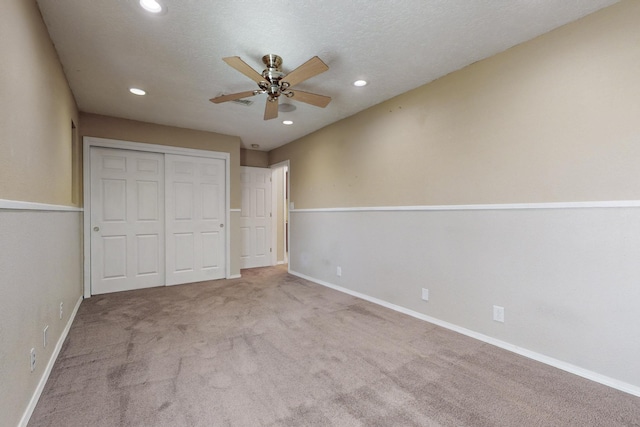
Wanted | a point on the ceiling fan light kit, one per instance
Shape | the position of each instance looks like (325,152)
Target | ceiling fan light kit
(275,83)
(286,107)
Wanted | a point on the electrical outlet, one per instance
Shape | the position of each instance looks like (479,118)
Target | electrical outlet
(61,309)
(498,313)
(339,271)
(44,335)
(425,294)
(32,359)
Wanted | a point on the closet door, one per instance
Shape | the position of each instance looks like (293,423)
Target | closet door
(195,213)
(127,220)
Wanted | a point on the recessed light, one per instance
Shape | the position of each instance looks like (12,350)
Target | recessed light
(255,145)
(287,122)
(360,83)
(151,6)
(136,91)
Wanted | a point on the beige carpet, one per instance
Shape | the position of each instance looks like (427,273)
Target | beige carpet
(274,350)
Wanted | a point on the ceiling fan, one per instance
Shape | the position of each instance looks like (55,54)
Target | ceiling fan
(275,83)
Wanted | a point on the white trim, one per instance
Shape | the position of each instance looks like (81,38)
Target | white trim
(227,213)
(274,235)
(90,141)
(280,164)
(26,416)
(86,218)
(32,206)
(497,206)
(274,216)
(235,276)
(235,210)
(568,367)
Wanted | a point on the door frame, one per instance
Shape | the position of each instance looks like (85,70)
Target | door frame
(274,202)
(90,141)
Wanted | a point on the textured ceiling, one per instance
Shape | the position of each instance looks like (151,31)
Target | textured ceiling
(397,45)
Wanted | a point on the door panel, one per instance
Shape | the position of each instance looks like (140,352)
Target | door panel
(115,257)
(148,201)
(183,201)
(147,261)
(115,198)
(195,209)
(183,252)
(127,220)
(210,199)
(255,217)
(210,248)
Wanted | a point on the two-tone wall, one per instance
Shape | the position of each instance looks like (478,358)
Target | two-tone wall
(40,222)
(40,200)
(512,182)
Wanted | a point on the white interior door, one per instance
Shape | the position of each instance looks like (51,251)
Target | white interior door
(127,220)
(255,217)
(195,213)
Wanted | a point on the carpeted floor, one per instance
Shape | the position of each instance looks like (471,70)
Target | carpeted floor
(274,350)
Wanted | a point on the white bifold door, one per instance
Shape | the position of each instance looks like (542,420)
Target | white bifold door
(156,219)
(255,217)
(195,208)
(127,220)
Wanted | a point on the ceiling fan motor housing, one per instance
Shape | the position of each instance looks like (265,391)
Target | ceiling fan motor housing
(272,61)
(273,74)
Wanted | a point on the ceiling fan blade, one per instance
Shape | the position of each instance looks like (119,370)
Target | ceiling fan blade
(311,98)
(231,97)
(311,68)
(244,68)
(271,109)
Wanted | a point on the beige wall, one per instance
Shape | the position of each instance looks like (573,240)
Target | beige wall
(131,130)
(255,158)
(36,111)
(40,261)
(554,119)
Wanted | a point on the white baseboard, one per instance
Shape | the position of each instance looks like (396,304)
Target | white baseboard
(576,370)
(235,276)
(47,371)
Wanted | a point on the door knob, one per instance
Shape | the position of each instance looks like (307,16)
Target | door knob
(96,228)
(221,225)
